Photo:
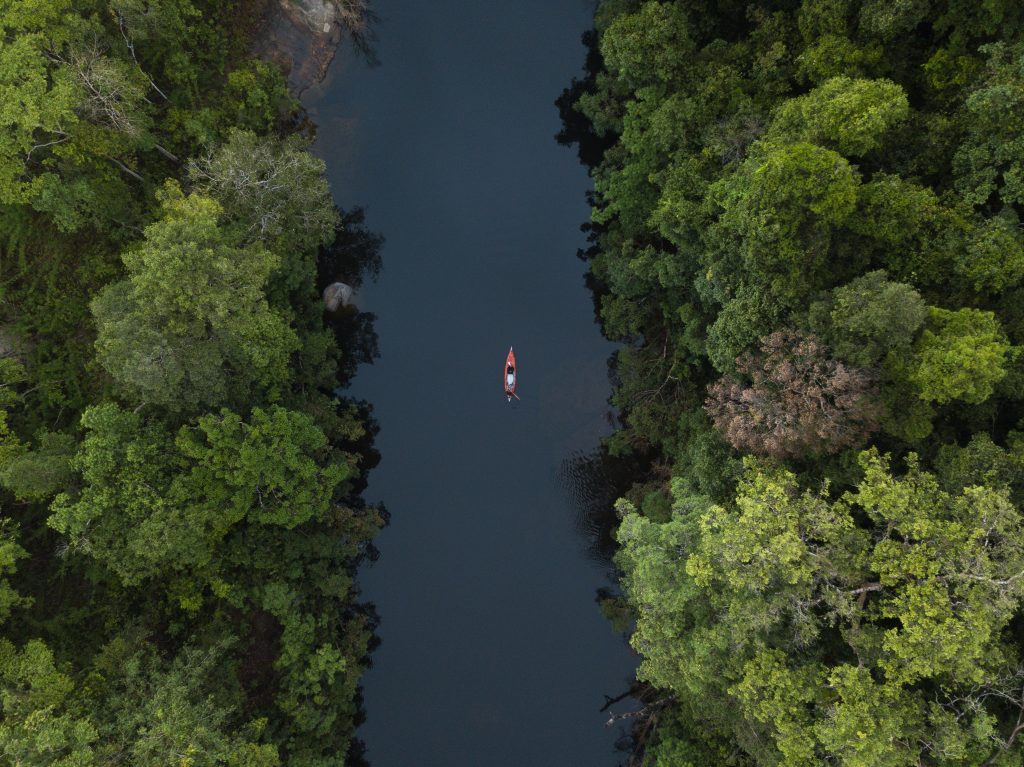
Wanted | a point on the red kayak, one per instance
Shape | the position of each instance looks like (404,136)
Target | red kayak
(510,375)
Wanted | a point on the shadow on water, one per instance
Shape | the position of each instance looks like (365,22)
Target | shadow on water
(353,258)
(593,481)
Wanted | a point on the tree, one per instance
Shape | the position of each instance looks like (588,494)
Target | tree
(851,116)
(275,190)
(164,713)
(648,46)
(815,637)
(150,504)
(38,725)
(913,233)
(191,327)
(38,474)
(10,553)
(124,516)
(113,93)
(76,115)
(799,402)
(872,316)
(990,161)
(777,212)
(275,469)
(993,259)
(38,98)
(960,355)
(133,707)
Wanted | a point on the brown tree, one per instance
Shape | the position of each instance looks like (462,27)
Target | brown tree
(799,401)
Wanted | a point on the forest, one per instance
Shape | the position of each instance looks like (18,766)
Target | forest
(805,240)
(181,513)
(806,234)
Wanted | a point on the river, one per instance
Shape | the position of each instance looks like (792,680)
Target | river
(493,650)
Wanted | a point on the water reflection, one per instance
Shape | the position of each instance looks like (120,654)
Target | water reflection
(592,481)
(353,258)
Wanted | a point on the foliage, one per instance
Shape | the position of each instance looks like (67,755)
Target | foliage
(960,355)
(134,707)
(851,116)
(276,192)
(190,326)
(35,475)
(991,159)
(152,505)
(178,474)
(767,175)
(872,316)
(799,402)
(830,640)
(266,469)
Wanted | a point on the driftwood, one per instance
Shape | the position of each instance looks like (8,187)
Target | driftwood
(644,719)
(642,714)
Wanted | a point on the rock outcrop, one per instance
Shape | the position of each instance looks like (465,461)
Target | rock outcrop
(303,36)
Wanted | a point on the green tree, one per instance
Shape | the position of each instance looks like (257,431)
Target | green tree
(10,553)
(274,188)
(993,259)
(872,316)
(134,707)
(191,326)
(150,504)
(163,713)
(778,210)
(124,514)
(38,474)
(39,725)
(75,114)
(960,355)
(851,116)
(648,46)
(275,469)
(991,159)
(828,638)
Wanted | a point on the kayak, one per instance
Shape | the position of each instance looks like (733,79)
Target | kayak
(509,376)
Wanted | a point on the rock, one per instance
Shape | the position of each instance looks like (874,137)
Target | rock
(302,36)
(337,294)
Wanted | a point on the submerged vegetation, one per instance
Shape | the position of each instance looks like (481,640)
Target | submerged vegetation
(806,231)
(180,513)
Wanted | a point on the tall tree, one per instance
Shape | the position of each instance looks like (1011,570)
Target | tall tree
(799,401)
(191,327)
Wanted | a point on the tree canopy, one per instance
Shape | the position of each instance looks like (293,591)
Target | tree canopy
(180,520)
(806,229)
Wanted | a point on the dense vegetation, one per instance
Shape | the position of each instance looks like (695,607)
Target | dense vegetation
(180,516)
(806,230)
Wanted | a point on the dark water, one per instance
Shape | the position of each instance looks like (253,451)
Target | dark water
(493,650)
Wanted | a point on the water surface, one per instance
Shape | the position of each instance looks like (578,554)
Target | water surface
(493,650)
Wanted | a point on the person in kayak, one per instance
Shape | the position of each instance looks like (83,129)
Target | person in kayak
(510,377)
